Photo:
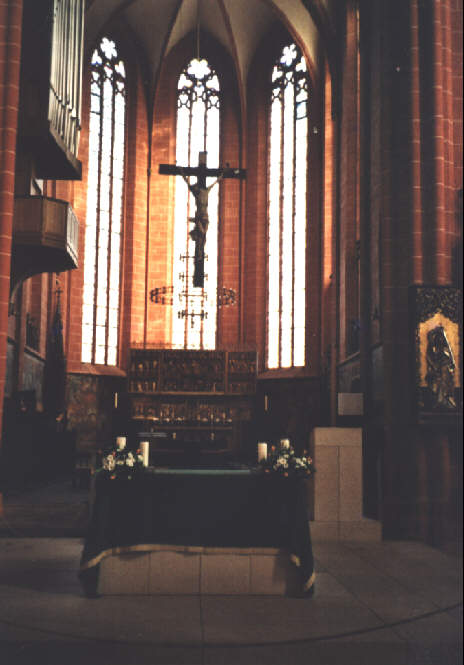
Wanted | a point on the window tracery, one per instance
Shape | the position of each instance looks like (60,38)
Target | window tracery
(287,206)
(198,127)
(101,293)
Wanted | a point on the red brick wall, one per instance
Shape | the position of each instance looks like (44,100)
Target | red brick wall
(436,109)
(10,47)
(132,304)
(159,236)
(417,190)
(255,268)
(74,279)
(329,323)
(134,255)
(414,150)
(349,182)
(148,211)
(148,225)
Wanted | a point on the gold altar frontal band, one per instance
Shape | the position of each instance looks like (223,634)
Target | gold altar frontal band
(308,584)
(195,549)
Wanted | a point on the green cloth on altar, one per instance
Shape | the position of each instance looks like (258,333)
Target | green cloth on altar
(236,508)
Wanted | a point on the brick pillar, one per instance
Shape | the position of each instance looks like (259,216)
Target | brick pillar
(439,69)
(398,222)
(417,178)
(10,50)
(417,212)
(349,183)
(329,256)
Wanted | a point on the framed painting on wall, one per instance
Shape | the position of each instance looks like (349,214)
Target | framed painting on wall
(437,351)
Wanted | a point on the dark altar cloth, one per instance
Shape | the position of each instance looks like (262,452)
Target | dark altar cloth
(206,508)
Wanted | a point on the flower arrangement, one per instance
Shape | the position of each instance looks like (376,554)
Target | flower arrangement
(121,463)
(283,461)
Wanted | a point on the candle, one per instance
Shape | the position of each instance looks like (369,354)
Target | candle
(262,451)
(145,448)
(284,443)
(120,442)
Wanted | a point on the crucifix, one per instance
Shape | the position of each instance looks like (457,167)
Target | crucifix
(200,192)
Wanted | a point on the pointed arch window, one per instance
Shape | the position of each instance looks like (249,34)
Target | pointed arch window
(102,258)
(287,206)
(198,110)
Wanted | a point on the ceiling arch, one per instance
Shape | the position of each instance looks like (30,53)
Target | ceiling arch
(238,25)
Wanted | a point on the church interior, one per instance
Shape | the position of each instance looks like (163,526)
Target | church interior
(229,222)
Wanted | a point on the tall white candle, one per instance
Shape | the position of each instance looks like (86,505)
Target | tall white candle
(262,451)
(284,443)
(121,442)
(145,449)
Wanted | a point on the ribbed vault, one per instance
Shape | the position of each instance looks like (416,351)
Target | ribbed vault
(238,25)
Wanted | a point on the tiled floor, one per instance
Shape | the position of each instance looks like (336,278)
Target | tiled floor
(390,603)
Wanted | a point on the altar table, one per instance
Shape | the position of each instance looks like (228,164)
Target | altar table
(234,508)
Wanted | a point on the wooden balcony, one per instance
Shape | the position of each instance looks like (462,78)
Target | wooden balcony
(45,237)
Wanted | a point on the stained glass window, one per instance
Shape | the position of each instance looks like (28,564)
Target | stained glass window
(287,205)
(102,257)
(195,308)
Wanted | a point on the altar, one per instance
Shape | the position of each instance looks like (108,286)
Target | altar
(198,512)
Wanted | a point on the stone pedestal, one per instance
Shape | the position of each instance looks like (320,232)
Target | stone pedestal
(350,404)
(338,486)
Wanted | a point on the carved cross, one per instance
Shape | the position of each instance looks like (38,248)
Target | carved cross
(200,192)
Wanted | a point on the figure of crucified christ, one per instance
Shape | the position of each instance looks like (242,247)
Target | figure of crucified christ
(200,192)
(198,233)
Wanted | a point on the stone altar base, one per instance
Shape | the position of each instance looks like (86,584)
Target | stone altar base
(200,570)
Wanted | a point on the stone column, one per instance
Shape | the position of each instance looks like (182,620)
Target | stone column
(10,55)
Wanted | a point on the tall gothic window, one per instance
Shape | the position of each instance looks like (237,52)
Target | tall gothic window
(100,313)
(194,313)
(288,148)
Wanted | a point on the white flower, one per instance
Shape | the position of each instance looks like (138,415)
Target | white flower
(109,463)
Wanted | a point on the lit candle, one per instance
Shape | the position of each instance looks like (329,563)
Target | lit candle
(120,442)
(262,451)
(284,443)
(145,448)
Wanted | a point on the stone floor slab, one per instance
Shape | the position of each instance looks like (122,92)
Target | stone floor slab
(360,590)
(262,619)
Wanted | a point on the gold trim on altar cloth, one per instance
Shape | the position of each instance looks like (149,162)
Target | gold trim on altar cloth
(185,549)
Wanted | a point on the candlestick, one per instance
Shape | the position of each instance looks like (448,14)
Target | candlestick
(284,443)
(145,448)
(121,442)
(262,451)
